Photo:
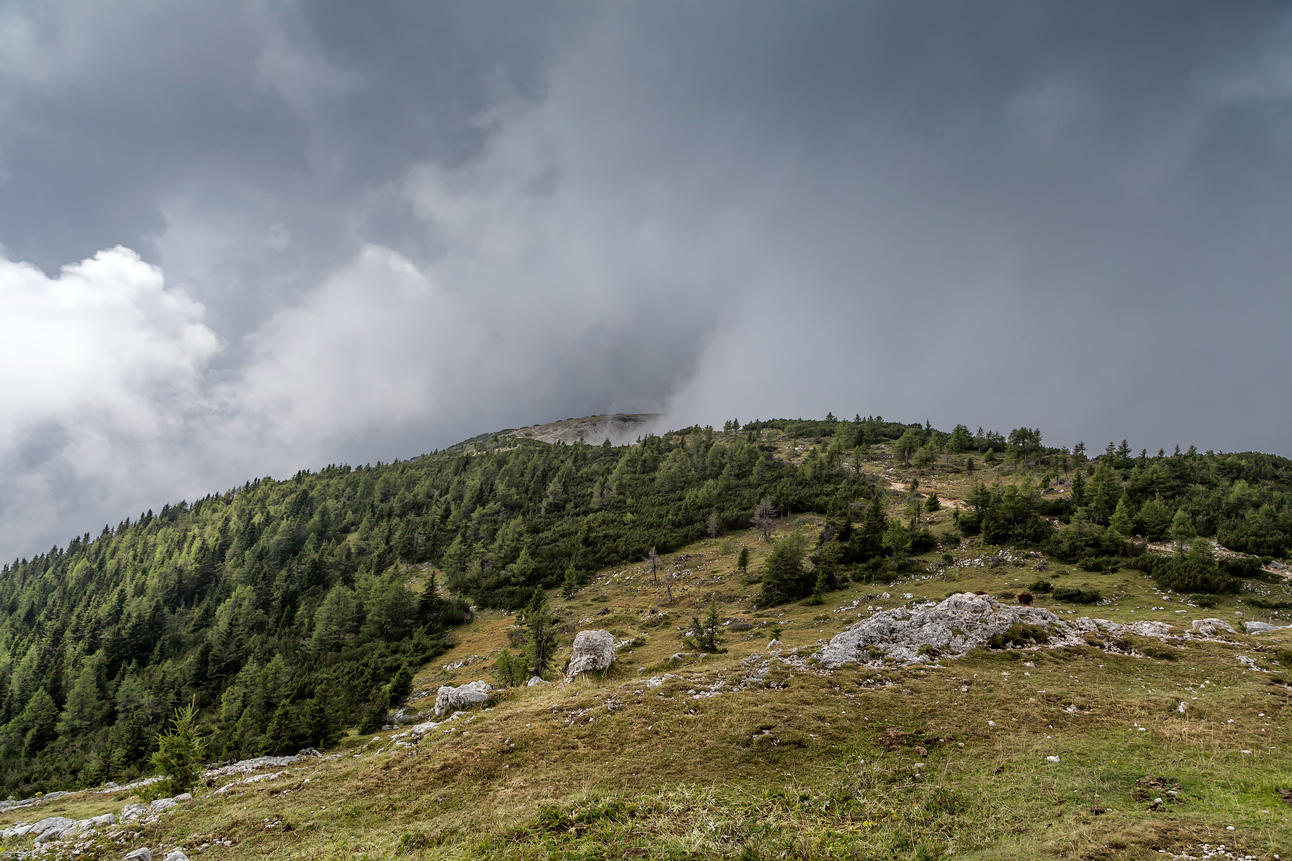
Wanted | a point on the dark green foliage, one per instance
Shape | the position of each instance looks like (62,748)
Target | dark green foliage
(785,577)
(1085,540)
(1073,595)
(264,595)
(1018,635)
(1004,514)
(284,734)
(1100,564)
(1246,567)
(1195,571)
(401,685)
(510,671)
(540,625)
(1266,604)
(180,752)
(706,636)
(1041,586)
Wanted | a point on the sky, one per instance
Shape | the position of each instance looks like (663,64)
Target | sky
(241,239)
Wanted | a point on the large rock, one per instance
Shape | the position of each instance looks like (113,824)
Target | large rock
(51,828)
(1260,627)
(141,854)
(593,650)
(1212,627)
(450,699)
(963,622)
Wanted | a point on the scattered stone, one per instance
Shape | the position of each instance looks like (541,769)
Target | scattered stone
(535,681)
(406,715)
(593,650)
(162,804)
(176,855)
(451,699)
(1260,627)
(133,811)
(141,854)
(247,766)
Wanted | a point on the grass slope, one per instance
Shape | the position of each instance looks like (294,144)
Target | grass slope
(696,756)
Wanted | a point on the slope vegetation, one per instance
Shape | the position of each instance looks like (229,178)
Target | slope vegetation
(1117,747)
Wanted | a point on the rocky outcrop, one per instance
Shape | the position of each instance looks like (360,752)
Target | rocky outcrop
(450,699)
(54,828)
(1260,627)
(593,650)
(963,622)
(1212,627)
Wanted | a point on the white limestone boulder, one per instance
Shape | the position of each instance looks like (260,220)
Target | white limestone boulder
(450,699)
(593,650)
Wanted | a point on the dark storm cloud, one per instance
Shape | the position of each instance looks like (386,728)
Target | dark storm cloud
(385,227)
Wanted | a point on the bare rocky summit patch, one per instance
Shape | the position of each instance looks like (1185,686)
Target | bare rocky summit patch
(963,622)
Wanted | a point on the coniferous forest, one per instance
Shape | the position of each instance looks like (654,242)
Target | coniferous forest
(285,611)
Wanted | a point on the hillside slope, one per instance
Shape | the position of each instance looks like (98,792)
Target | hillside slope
(760,752)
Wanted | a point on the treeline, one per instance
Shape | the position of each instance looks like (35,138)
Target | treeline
(1243,501)
(286,610)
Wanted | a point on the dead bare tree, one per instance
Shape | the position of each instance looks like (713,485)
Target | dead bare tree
(764,518)
(714,526)
(653,558)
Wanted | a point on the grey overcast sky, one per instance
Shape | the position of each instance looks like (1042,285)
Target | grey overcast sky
(245,238)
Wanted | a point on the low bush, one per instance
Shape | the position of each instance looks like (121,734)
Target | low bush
(1073,595)
(1018,635)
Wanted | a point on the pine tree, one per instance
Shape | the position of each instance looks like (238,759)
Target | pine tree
(706,636)
(570,584)
(542,634)
(783,574)
(1181,529)
(510,670)
(179,752)
(1121,521)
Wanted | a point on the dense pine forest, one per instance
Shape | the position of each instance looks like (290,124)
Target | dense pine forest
(288,610)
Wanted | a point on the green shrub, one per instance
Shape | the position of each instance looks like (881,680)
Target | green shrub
(179,754)
(1076,596)
(1041,586)
(1018,635)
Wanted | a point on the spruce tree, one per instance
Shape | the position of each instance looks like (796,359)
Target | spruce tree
(541,624)
(179,752)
